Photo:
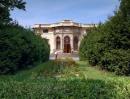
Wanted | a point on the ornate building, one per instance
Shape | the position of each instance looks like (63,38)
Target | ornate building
(64,36)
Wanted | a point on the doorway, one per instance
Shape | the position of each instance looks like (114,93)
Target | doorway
(67,46)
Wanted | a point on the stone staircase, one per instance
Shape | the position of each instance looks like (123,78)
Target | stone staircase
(75,56)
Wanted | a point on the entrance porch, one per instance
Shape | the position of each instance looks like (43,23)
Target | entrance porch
(66,44)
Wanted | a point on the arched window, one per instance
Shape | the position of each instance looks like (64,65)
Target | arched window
(75,43)
(58,43)
(67,40)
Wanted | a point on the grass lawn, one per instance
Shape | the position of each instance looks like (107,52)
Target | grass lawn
(52,80)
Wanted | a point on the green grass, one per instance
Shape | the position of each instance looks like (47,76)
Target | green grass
(52,80)
(49,70)
(96,73)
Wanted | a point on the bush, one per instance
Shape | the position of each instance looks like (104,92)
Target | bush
(20,48)
(90,47)
(109,44)
(65,62)
(106,50)
(68,89)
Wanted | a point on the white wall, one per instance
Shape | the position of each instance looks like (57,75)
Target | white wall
(50,37)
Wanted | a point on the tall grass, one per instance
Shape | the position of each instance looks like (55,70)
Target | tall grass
(69,89)
(58,80)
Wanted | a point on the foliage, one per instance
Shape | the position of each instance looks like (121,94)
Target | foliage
(55,68)
(20,48)
(6,6)
(76,89)
(109,44)
(97,85)
(65,62)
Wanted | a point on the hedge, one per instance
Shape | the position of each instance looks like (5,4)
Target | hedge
(20,48)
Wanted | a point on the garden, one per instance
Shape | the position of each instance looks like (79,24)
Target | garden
(102,72)
(61,79)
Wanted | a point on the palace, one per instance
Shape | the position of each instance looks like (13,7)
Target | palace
(64,36)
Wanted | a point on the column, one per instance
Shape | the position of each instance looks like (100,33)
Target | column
(71,42)
(61,47)
(54,43)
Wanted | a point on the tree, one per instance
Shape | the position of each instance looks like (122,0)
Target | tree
(109,45)
(21,48)
(6,6)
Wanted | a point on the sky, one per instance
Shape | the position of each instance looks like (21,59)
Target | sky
(52,11)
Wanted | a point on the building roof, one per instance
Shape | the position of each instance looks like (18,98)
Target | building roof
(63,23)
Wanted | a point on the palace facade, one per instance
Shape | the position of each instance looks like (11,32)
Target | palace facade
(64,36)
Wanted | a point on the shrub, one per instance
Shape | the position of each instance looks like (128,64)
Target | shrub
(20,48)
(58,89)
(55,68)
(90,47)
(106,50)
(65,62)
(109,44)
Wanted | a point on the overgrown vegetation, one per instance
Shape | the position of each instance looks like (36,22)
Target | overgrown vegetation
(108,45)
(54,89)
(66,79)
(55,68)
(49,80)
(19,48)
